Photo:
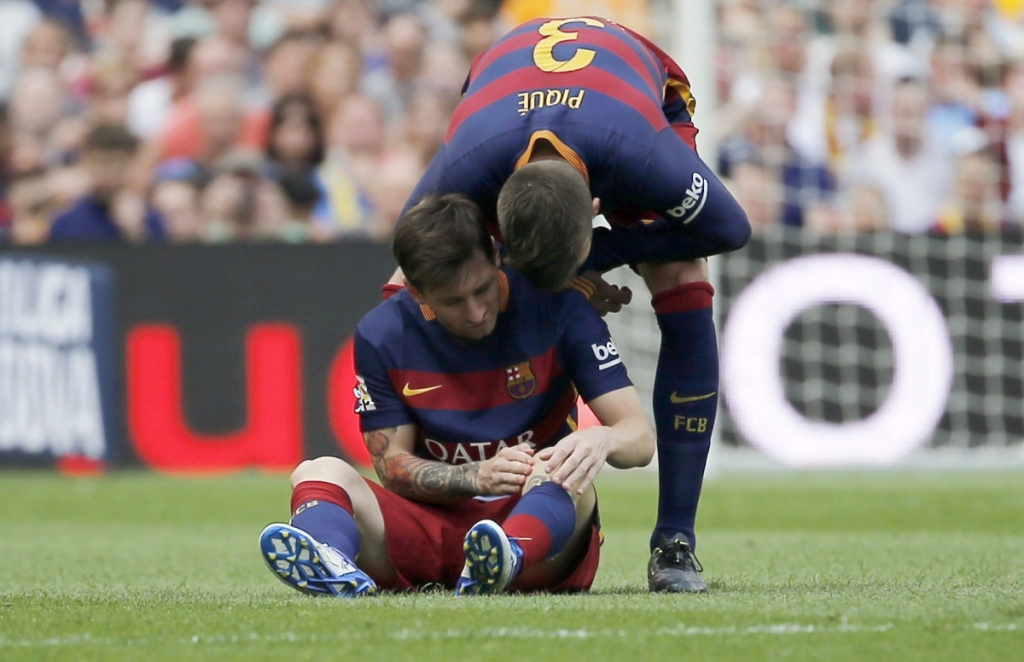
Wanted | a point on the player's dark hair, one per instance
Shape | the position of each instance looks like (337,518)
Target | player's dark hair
(546,219)
(437,237)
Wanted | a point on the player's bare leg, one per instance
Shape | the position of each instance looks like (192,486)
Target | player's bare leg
(685,402)
(373,551)
(335,541)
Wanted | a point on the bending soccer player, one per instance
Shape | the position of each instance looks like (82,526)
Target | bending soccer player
(467,387)
(584,105)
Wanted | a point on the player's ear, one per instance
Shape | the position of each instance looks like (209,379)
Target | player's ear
(414,293)
(597,206)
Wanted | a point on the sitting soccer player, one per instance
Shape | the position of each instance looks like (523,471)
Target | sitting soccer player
(467,387)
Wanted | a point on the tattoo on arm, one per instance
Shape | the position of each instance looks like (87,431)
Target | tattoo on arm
(416,478)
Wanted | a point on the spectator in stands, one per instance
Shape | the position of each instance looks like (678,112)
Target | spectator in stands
(17,19)
(214,122)
(6,213)
(47,45)
(353,164)
(865,209)
(758,192)
(973,204)
(113,80)
(956,98)
(111,211)
(830,127)
(295,140)
(334,72)
(30,201)
(444,69)
(356,22)
(286,65)
(1013,143)
(906,162)
(426,123)
(393,86)
(765,138)
(303,195)
(175,197)
(150,102)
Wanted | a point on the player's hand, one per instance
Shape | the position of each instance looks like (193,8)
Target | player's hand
(575,461)
(506,472)
(607,298)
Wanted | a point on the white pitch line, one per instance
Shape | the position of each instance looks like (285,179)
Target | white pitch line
(679,631)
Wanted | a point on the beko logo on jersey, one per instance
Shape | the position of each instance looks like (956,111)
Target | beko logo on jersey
(605,352)
(694,201)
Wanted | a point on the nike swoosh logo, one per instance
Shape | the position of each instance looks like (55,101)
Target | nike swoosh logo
(693,398)
(407,392)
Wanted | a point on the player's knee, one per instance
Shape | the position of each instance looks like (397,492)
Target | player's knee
(665,276)
(585,504)
(326,469)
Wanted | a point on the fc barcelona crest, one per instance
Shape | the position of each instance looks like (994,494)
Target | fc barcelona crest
(521,381)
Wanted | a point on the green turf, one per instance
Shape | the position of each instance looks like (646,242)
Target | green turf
(802,567)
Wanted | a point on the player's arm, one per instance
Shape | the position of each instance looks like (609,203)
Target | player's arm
(624,440)
(624,437)
(413,477)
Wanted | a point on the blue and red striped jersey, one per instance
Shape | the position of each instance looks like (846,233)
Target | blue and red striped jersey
(613,105)
(468,401)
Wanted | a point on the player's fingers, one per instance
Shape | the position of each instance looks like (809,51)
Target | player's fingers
(516,456)
(588,478)
(561,451)
(512,466)
(568,467)
(578,473)
(544,455)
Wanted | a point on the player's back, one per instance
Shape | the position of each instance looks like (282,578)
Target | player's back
(586,85)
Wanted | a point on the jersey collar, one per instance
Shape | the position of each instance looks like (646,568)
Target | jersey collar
(564,150)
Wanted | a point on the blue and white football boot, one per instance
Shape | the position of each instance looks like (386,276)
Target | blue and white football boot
(297,559)
(492,560)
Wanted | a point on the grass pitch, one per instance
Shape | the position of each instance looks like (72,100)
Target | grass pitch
(831,567)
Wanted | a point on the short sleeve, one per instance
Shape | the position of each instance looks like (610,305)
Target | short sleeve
(591,358)
(376,402)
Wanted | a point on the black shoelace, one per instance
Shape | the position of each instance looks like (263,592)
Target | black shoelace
(677,554)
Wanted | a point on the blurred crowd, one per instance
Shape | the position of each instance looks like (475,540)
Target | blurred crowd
(873,115)
(224,120)
(312,120)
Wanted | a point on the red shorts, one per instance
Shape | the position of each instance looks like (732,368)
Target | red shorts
(425,542)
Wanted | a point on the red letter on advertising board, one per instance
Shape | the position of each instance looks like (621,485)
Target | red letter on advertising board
(272,438)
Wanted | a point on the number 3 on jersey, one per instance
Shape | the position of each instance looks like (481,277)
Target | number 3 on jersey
(543,52)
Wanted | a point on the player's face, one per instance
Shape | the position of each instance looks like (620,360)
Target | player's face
(469,307)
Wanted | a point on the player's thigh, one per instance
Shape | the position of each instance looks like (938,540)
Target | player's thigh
(664,276)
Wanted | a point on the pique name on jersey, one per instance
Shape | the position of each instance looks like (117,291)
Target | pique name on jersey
(543,98)
(474,451)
